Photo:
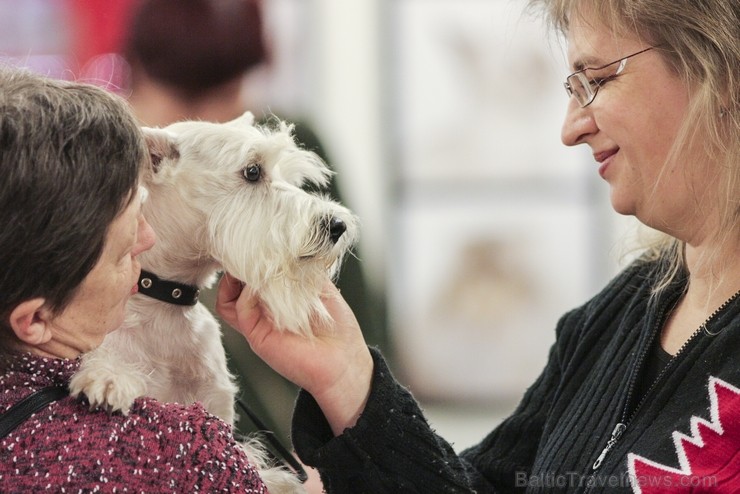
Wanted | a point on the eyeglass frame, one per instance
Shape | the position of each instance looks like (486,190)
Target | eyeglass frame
(588,84)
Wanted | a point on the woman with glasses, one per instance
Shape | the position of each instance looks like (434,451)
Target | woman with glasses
(641,391)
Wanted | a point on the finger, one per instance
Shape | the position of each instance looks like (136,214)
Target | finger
(229,288)
(249,311)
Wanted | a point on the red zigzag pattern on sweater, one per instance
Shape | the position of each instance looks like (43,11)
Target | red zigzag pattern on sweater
(709,459)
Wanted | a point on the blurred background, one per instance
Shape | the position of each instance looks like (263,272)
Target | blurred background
(442,119)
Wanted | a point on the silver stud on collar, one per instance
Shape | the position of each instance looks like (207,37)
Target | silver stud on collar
(176,293)
(146,282)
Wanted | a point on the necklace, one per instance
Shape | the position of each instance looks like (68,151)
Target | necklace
(722,307)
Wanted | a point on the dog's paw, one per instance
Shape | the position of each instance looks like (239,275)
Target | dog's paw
(111,389)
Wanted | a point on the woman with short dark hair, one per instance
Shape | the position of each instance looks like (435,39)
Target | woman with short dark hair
(70,206)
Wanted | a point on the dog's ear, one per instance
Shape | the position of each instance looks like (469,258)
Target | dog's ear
(247,119)
(161,144)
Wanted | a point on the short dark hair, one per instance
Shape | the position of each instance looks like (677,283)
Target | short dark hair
(195,45)
(71,155)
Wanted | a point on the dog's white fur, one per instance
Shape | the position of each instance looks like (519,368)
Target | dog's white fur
(221,197)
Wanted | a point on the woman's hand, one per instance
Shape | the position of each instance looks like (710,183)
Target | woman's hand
(335,365)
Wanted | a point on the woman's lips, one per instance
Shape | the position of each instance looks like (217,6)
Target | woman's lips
(135,288)
(605,158)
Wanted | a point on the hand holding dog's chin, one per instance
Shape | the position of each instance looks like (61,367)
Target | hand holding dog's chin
(335,365)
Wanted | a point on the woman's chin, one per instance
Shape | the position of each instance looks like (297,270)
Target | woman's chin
(117,323)
(620,205)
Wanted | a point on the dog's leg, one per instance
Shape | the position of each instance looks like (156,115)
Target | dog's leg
(108,381)
(218,395)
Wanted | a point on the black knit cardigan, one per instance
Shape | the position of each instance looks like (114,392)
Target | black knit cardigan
(670,438)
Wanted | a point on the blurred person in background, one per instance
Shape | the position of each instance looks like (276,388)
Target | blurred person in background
(188,58)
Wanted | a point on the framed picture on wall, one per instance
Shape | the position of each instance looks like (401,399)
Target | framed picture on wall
(479,94)
(483,285)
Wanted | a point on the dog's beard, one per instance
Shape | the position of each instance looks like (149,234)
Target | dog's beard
(283,255)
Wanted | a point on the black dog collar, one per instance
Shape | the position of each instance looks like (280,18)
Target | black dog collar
(171,292)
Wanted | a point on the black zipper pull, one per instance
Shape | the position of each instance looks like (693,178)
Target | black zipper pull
(616,434)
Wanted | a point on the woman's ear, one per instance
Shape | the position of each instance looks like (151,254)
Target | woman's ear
(30,322)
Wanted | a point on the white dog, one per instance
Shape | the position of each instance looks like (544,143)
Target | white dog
(221,197)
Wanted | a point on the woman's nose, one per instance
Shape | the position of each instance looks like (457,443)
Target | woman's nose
(145,237)
(579,123)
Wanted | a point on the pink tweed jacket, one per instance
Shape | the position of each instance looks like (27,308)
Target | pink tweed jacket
(158,447)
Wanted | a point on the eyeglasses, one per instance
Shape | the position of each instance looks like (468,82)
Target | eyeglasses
(584,88)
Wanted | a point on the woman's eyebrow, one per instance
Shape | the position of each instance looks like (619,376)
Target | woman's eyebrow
(587,62)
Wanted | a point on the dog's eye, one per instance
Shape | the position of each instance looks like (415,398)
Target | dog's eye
(252,173)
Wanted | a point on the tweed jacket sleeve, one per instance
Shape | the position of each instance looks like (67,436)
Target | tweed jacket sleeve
(158,447)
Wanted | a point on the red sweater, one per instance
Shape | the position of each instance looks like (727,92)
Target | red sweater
(158,447)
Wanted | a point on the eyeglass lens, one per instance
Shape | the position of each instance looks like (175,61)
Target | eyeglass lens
(579,85)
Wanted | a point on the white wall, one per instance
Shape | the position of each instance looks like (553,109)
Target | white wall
(347,108)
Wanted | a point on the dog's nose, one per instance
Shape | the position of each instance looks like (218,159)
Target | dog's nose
(337,228)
